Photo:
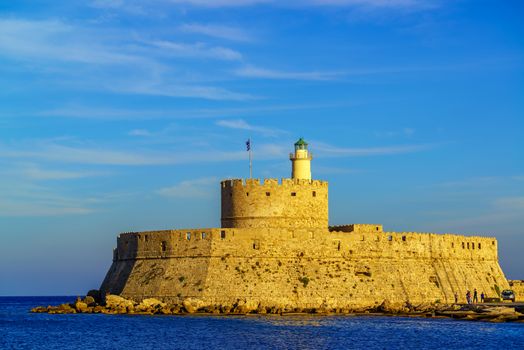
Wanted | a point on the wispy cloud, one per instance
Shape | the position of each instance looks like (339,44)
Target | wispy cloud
(217,31)
(22,199)
(79,111)
(140,133)
(56,40)
(196,50)
(38,173)
(187,91)
(483,181)
(394,133)
(263,73)
(334,151)
(510,204)
(502,212)
(241,124)
(117,63)
(309,3)
(202,187)
(59,153)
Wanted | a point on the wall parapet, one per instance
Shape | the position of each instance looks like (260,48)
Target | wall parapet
(272,182)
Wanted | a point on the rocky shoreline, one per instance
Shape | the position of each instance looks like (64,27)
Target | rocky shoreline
(116,305)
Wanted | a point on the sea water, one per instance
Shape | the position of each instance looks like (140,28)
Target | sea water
(20,329)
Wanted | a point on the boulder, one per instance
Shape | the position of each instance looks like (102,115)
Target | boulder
(39,309)
(80,306)
(117,302)
(151,303)
(189,306)
(89,300)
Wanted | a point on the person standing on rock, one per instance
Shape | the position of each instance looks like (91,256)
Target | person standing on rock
(475,296)
(468,297)
(482,296)
(456,298)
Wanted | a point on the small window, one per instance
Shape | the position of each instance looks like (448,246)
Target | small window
(163,246)
(376,228)
(222,234)
(479,245)
(403,238)
(338,245)
(493,242)
(390,238)
(146,238)
(468,245)
(463,246)
(256,244)
(452,245)
(247,194)
(472,245)
(314,193)
(188,235)
(268,194)
(203,235)
(293,194)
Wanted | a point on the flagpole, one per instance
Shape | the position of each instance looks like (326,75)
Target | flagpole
(250,161)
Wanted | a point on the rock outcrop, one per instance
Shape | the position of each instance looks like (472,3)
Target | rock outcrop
(117,305)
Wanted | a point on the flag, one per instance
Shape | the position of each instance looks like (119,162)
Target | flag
(248,145)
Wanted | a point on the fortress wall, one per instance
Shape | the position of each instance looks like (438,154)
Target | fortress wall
(346,271)
(291,203)
(518,287)
(159,263)
(308,267)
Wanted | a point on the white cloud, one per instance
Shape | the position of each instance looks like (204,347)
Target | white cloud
(107,3)
(498,214)
(37,173)
(333,151)
(263,73)
(216,31)
(77,111)
(142,67)
(196,50)
(22,198)
(206,92)
(394,133)
(33,171)
(140,132)
(58,153)
(483,182)
(202,187)
(309,3)
(243,125)
(510,204)
(56,40)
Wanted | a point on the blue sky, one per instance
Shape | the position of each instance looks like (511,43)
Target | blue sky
(124,115)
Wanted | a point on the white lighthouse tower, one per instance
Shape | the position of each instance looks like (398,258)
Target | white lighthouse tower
(301,161)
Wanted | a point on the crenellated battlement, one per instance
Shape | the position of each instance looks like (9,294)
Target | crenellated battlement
(271,182)
(288,203)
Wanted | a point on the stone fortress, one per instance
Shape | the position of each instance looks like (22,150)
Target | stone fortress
(275,249)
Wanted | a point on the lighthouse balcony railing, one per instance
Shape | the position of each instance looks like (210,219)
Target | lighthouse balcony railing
(300,156)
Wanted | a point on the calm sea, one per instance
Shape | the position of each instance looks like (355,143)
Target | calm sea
(21,330)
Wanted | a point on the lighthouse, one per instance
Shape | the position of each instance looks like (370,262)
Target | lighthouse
(301,161)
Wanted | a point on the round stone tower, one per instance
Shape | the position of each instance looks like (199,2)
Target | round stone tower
(301,161)
(299,202)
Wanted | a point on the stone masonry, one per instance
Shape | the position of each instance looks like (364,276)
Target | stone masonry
(275,249)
